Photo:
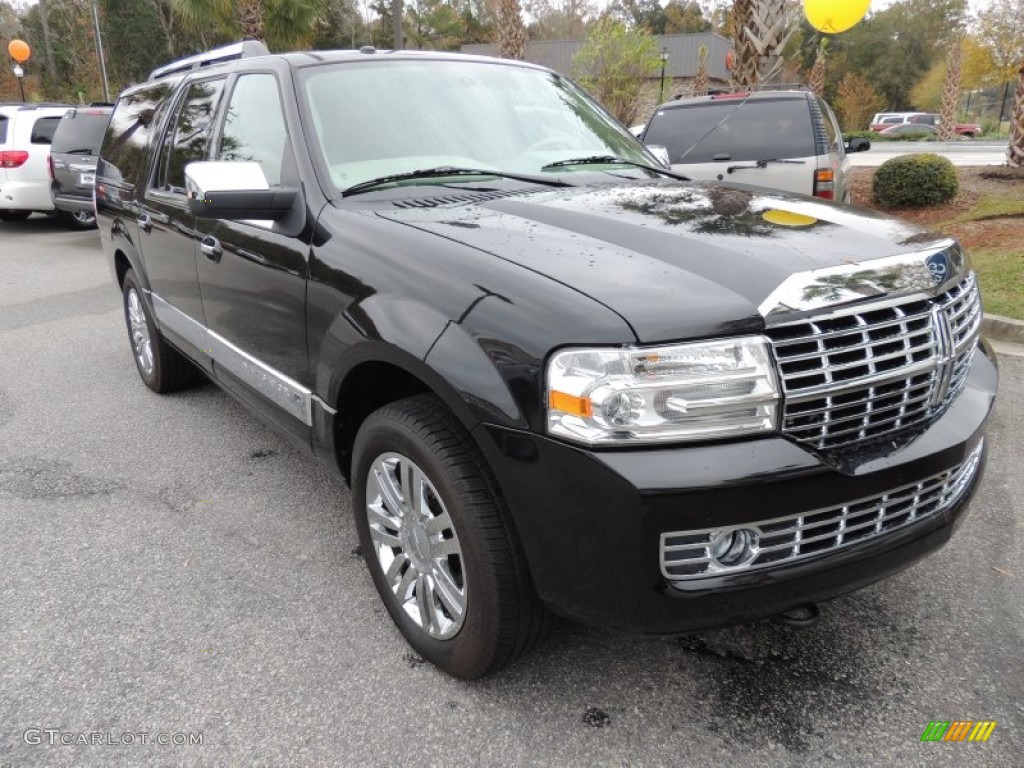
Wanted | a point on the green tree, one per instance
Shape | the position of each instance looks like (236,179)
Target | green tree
(614,63)
(283,24)
(135,40)
(685,17)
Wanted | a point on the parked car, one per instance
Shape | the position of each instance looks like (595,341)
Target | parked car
(909,129)
(970,130)
(556,376)
(73,153)
(884,120)
(26,131)
(785,140)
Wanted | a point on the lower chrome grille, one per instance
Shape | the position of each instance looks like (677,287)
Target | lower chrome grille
(872,372)
(784,540)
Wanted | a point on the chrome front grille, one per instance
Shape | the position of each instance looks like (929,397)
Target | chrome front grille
(783,540)
(868,373)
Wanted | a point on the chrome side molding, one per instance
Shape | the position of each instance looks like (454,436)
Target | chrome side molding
(286,393)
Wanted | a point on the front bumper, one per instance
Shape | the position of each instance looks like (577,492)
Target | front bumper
(591,522)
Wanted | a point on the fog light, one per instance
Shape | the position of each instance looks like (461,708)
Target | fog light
(734,547)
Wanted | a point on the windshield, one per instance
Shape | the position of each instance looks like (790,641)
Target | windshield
(380,118)
(84,130)
(734,130)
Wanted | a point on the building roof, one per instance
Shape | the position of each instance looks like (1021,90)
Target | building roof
(682,53)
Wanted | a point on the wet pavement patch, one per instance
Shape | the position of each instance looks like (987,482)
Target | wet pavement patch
(262,453)
(596,718)
(414,661)
(38,478)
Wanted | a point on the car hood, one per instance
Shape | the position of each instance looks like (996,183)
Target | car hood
(675,260)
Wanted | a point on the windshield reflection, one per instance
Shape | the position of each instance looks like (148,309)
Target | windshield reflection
(380,118)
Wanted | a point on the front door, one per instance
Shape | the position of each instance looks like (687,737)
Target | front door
(253,279)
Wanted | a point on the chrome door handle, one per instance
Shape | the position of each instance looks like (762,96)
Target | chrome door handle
(211,248)
(145,223)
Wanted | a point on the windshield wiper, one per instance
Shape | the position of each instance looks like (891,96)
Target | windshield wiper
(448,170)
(75,151)
(763,164)
(612,160)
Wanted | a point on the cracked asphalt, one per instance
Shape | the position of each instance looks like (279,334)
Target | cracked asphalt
(169,565)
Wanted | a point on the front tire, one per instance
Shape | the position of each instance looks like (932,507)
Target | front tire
(438,541)
(162,368)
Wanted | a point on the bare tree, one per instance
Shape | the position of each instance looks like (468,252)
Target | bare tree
(44,18)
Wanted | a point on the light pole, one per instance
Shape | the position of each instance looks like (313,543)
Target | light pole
(99,51)
(664,61)
(20,74)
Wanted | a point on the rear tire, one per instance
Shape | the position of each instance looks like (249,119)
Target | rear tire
(437,538)
(80,219)
(162,368)
(14,215)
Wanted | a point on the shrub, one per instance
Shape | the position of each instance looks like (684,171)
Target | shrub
(873,135)
(909,180)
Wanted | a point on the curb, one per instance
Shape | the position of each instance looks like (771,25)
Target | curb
(1002,329)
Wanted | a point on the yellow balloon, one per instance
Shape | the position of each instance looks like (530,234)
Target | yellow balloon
(787,218)
(833,16)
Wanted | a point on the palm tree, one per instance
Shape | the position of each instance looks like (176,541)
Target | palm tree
(283,24)
(951,91)
(1015,152)
(511,33)
(816,81)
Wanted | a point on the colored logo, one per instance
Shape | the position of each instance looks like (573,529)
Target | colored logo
(958,730)
(938,266)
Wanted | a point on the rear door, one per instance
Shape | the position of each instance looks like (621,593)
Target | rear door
(74,152)
(167,229)
(764,142)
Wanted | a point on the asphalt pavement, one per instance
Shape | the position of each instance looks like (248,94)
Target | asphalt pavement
(169,566)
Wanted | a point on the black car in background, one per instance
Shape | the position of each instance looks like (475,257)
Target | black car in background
(73,154)
(557,376)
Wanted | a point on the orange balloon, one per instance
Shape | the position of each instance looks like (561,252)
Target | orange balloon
(19,51)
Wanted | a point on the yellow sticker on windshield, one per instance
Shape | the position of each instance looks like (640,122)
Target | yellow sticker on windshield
(788,218)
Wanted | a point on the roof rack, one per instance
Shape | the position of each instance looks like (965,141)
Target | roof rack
(243,50)
(715,90)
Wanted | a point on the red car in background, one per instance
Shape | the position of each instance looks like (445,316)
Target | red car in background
(970,130)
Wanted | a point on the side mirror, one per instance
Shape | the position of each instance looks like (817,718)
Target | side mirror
(235,190)
(661,153)
(858,144)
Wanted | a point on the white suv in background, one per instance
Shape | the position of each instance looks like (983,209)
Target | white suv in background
(786,140)
(26,131)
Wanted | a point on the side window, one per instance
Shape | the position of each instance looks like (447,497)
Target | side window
(830,127)
(187,137)
(43,130)
(254,127)
(123,155)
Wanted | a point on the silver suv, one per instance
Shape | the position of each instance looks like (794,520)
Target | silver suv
(787,140)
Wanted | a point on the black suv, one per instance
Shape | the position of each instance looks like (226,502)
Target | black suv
(555,375)
(73,153)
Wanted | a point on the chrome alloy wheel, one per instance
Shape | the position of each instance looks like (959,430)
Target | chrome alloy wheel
(84,218)
(141,344)
(416,545)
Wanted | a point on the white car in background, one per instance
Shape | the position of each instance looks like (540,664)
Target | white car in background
(26,131)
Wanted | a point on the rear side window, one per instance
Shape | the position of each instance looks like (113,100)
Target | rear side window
(43,130)
(80,132)
(764,129)
(123,155)
(188,137)
(3,129)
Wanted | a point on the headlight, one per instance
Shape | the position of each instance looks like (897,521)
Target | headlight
(644,395)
